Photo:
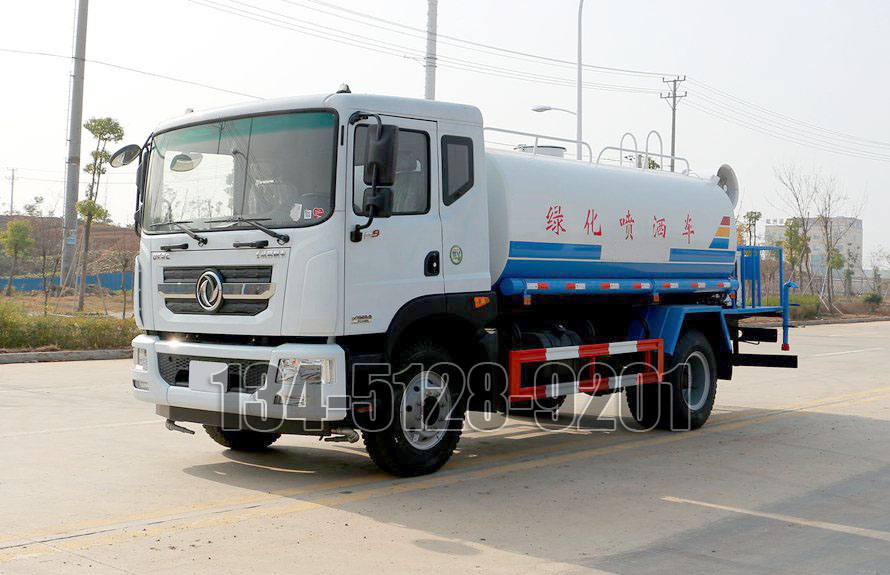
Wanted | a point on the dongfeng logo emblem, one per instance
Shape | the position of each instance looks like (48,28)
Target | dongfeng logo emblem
(209,291)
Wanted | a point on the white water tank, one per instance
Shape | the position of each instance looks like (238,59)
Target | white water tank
(563,219)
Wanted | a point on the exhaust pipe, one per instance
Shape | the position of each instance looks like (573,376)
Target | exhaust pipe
(342,434)
(171,425)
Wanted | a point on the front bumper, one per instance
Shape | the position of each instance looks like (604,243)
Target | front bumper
(316,402)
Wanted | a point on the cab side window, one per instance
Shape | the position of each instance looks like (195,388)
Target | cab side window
(411,191)
(457,167)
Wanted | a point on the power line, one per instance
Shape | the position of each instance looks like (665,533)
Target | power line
(786,137)
(440,36)
(772,122)
(786,117)
(364,42)
(134,70)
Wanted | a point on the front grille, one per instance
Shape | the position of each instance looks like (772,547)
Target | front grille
(230,275)
(261,274)
(245,375)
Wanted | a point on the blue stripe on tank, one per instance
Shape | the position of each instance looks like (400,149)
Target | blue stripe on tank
(555,251)
(719,243)
(711,256)
(554,269)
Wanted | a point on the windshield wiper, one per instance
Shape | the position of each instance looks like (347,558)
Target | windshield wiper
(255,223)
(181,225)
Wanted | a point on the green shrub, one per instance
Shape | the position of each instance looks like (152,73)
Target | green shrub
(873,299)
(21,331)
(807,308)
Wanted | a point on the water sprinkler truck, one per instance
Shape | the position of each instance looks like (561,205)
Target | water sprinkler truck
(354,265)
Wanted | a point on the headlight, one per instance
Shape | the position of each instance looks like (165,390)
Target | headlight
(140,357)
(306,371)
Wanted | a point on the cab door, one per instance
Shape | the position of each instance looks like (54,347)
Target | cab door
(399,258)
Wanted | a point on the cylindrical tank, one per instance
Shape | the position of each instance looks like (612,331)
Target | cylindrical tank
(563,219)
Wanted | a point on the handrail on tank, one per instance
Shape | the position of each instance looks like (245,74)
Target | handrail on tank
(660,145)
(664,156)
(621,148)
(540,137)
(637,152)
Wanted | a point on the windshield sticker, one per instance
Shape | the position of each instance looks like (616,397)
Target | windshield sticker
(296,212)
(307,214)
(318,213)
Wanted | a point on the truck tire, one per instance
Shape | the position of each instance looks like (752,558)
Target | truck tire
(241,440)
(686,399)
(406,447)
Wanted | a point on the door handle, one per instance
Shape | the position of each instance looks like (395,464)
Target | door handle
(431,264)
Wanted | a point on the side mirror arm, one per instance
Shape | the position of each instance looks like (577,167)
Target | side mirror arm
(356,235)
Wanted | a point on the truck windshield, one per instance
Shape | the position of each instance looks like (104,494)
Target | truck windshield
(278,169)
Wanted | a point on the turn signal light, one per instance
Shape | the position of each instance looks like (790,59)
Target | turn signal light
(481,301)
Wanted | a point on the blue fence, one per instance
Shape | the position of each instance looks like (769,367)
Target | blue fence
(109,280)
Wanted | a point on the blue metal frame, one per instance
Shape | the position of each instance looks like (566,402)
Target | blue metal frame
(666,321)
(748,271)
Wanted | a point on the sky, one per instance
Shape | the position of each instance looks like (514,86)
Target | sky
(769,83)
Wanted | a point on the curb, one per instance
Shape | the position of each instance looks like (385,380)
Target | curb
(806,322)
(80,355)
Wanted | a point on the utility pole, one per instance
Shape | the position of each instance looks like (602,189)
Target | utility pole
(11,189)
(671,98)
(429,90)
(72,164)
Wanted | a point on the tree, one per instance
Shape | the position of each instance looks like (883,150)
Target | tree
(830,204)
(47,242)
(798,195)
(122,255)
(793,247)
(18,241)
(751,218)
(105,130)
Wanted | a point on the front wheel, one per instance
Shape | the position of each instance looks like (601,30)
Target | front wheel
(427,414)
(687,397)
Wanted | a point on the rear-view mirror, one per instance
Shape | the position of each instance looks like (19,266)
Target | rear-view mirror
(380,200)
(125,155)
(380,155)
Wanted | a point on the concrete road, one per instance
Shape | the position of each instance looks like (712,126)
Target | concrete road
(790,476)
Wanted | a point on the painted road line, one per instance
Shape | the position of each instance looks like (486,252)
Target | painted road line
(850,530)
(729,422)
(84,428)
(465,470)
(846,352)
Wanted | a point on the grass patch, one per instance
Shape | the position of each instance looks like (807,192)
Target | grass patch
(808,305)
(18,330)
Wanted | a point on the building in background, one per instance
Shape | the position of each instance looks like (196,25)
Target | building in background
(848,232)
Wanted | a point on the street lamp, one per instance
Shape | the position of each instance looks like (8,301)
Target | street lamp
(549,108)
(577,112)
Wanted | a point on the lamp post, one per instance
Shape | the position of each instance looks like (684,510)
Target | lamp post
(577,112)
(579,88)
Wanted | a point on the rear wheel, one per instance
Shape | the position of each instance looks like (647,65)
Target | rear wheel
(687,397)
(241,440)
(427,414)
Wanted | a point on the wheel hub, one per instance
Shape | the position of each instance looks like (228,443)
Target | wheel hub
(426,404)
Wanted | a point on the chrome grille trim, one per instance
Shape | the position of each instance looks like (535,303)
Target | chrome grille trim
(231,291)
